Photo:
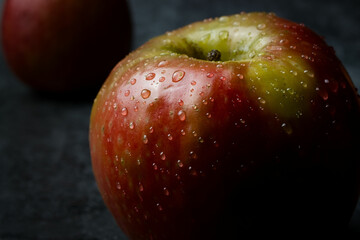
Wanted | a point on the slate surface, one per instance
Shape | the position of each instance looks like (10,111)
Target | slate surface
(47,190)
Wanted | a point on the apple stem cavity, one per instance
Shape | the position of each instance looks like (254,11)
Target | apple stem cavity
(214,55)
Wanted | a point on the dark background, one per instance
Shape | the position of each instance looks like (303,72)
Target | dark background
(47,190)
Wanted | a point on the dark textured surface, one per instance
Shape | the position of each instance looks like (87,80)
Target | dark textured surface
(47,190)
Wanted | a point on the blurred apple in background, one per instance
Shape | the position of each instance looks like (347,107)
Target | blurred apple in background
(65,45)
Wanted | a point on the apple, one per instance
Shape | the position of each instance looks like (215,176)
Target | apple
(232,125)
(65,45)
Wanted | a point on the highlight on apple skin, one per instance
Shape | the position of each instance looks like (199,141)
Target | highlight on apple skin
(65,45)
(232,125)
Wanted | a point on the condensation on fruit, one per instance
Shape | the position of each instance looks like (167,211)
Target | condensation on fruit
(182,115)
(223,35)
(145,93)
(150,76)
(178,75)
(287,128)
(124,111)
(163,63)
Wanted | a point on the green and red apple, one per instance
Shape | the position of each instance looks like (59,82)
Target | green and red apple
(65,45)
(232,125)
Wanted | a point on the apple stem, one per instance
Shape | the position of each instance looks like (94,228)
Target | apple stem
(214,55)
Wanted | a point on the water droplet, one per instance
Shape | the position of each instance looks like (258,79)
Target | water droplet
(240,76)
(193,83)
(224,19)
(182,115)
(162,156)
(205,38)
(324,94)
(178,75)
(261,100)
(163,63)
(166,192)
(150,76)
(309,73)
(155,166)
(127,93)
(145,139)
(181,102)
(261,26)
(162,79)
(294,72)
(141,187)
(287,128)
(118,185)
(223,35)
(145,93)
(131,125)
(209,75)
(251,54)
(159,207)
(180,164)
(182,132)
(151,130)
(193,155)
(124,111)
(222,78)
(170,137)
(133,81)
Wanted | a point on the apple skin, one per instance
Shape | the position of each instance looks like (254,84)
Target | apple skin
(65,45)
(263,140)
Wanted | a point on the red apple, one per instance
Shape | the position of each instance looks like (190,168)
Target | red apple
(61,45)
(235,124)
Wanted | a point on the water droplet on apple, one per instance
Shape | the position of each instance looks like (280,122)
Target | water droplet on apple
(170,137)
(118,185)
(180,164)
(145,139)
(261,26)
(224,19)
(261,100)
(151,130)
(159,207)
(162,156)
(181,102)
(150,76)
(166,192)
(208,115)
(162,79)
(182,115)
(323,94)
(251,54)
(205,38)
(133,81)
(209,75)
(131,125)
(178,75)
(193,83)
(222,78)
(223,35)
(124,111)
(127,93)
(287,128)
(145,93)
(309,73)
(182,132)
(240,76)
(141,187)
(163,63)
